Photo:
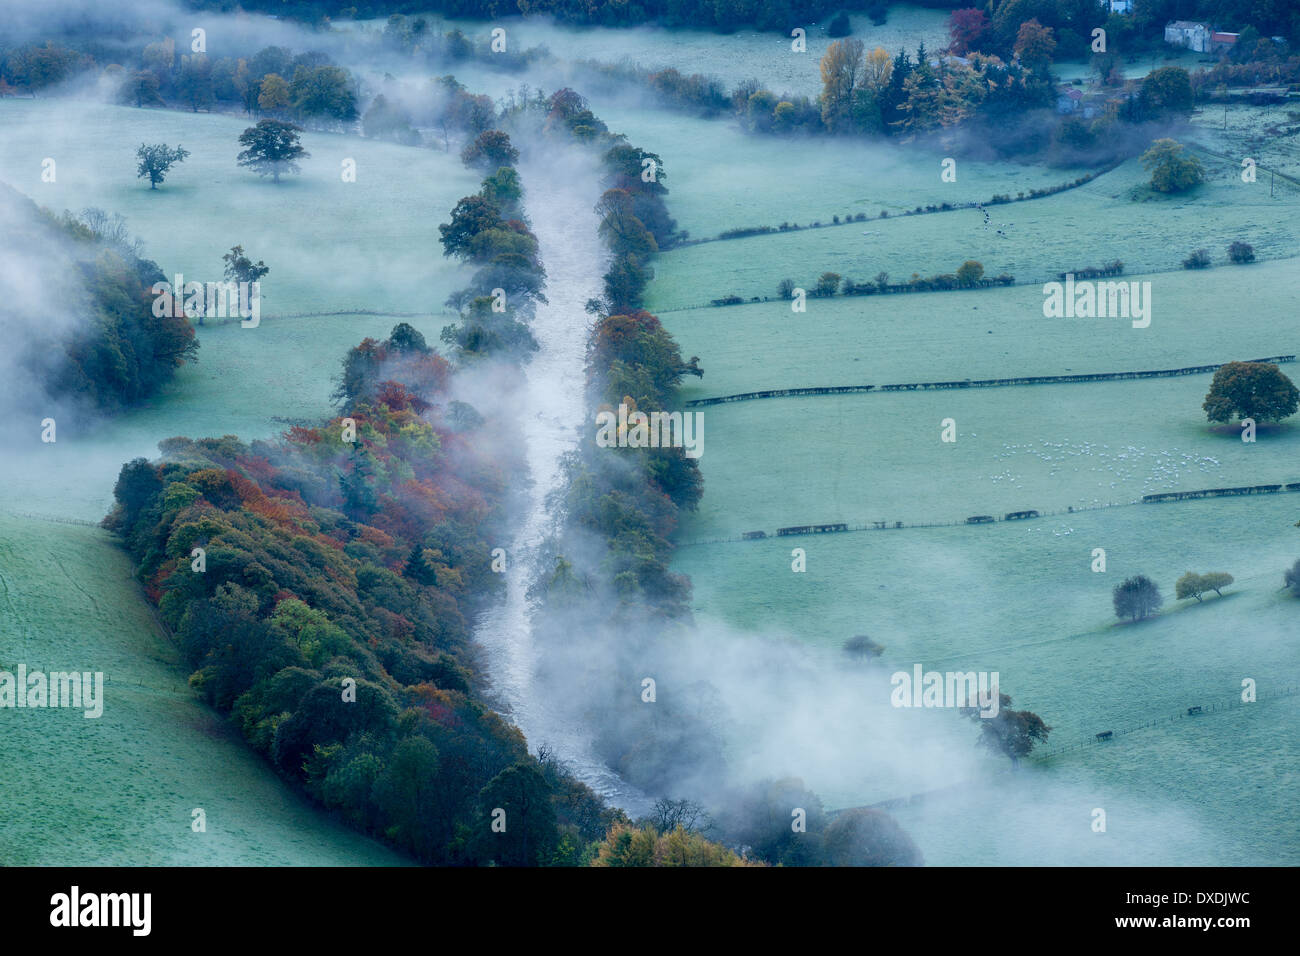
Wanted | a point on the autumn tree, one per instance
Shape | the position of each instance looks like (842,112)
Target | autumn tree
(970,273)
(966,29)
(1257,390)
(273,94)
(1035,45)
(841,71)
(489,150)
(1171,170)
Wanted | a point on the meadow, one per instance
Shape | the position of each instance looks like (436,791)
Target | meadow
(1033,241)
(157,752)
(120,789)
(1198,318)
(732,58)
(1019,598)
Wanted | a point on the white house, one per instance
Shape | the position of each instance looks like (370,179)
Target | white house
(1121,6)
(1186,33)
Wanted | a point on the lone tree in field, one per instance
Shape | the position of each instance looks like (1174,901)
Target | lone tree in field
(1171,170)
(1194,585)
(271,148)
(1011,733)
(1291,578)
(862,647)
(156,160)
(240,268)
(1255,390)
(1137,598)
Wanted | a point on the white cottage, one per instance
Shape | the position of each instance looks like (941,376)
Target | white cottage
(1187,33)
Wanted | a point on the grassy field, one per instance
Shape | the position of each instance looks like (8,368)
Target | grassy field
(326,250)
(722,178)
(1088,226)
(120,789)
(1017,598)
(732,58)
(1197,319)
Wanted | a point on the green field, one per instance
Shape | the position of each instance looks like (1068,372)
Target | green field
(1017,598)
(1088,226)
(120,789)
(731,58)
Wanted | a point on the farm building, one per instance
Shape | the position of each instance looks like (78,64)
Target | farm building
(1222,41)
(1121,6)
(1068,99)
(1187,33)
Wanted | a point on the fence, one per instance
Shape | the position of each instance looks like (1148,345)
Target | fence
(976,383)
(57,519)
(800,530)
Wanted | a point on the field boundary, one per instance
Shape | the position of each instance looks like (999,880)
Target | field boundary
(969,383)
(1163,497)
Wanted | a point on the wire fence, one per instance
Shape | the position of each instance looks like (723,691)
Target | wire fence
(973,383)
(1014,516)
(57,519)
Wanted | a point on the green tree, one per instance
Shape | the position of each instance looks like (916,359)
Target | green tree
(1136,598)
(1166,90)
(1171,170)
(142,89)
(240,268)
(1291,578)
(195,83)
(529,836)
(271,148)
(156,160)
(470,217)
(864,837)
(1257,390)
(323,92)
(1011,733)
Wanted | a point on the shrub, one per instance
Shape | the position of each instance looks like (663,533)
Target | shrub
(1200,259)
(1241,253)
